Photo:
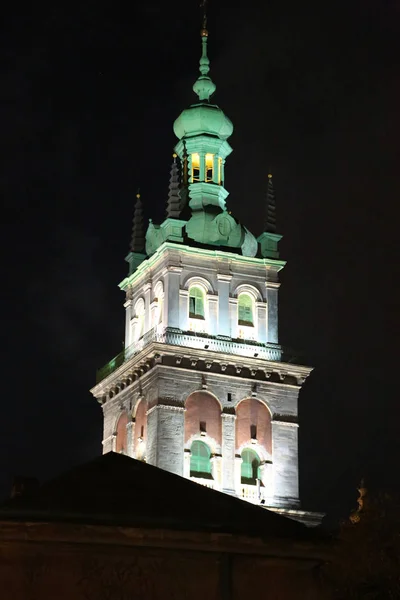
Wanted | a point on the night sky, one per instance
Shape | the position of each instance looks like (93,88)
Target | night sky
(89,96)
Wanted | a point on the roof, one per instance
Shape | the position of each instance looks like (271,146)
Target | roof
(117,490)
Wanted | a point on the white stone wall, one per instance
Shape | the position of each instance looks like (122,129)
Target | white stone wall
(161,284)
(166,388)
(165,442)
(222,274)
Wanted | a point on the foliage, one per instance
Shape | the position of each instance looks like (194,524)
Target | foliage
(366,557)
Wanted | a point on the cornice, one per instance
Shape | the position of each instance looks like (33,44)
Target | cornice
(197,360)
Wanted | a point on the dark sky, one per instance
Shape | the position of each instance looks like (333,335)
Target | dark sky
(89,96)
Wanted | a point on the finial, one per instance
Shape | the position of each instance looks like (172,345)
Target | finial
(204,31)
(204,87)
(270,218)
(137,241)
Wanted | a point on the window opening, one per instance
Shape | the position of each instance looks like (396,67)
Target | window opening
(200,460)
(245,310)
(196,303)
(250,468)
(209,167)
(229,397)
(195,167)
(253,432)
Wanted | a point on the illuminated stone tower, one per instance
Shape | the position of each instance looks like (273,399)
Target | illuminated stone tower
(203,389)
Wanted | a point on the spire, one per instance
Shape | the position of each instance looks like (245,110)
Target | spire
(137,241)
(270,219)
(204,87)
(174,201)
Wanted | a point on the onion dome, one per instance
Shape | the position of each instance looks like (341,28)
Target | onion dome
(203,118)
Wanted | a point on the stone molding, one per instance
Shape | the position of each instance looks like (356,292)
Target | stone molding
(165,407)
(286,423)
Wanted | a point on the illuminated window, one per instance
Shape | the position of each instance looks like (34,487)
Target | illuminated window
(209,167)
(200,460)
(195,167)
(220,171)
(196,303)
(245,310)
(250,468)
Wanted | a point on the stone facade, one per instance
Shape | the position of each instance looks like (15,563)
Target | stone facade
(179,384)
(203,388)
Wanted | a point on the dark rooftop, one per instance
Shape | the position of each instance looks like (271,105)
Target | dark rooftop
(118,490)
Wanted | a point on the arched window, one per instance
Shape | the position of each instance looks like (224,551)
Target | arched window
(195,167)
(250,470)
(157,313)
(245,310)
(200,463)
(196,303)
(139,309)
(209,167)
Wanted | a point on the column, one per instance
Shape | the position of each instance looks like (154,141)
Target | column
(130,439)
(224,327)
(212,328)
(147,315)
(165,437)
(261,309)
(285,464)
(184,310)
(267,480)
(186,463)
(228,453)
(109,437)
(272,304)
(216,468)
(172,280)
(233,315)
(128,315)
(238,474)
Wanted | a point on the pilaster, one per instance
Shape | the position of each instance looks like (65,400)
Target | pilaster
(233,317)
(128,315)
(285,464)
(224,325)
(238,473)
(184,309)
(130,439)
(186,463)
(212,313)
(261,309)
(147,315)
(172,280)
(228,453)
(165,435)
(272,304)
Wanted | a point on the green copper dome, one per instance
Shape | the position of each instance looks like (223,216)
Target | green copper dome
(203,119)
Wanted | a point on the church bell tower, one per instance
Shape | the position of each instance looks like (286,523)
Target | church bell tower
(202,388)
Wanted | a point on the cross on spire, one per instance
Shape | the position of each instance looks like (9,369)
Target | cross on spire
(203,5)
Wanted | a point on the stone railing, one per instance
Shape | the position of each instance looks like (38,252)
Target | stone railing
(251,493)
(225,345)
(210,483)
(189,339)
